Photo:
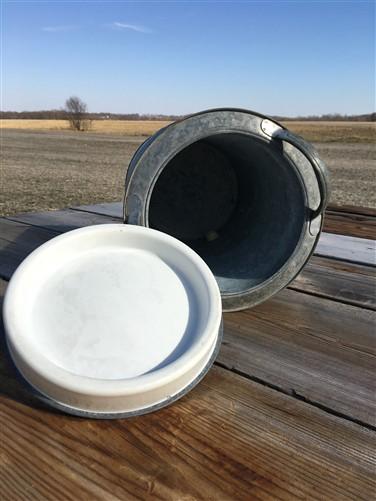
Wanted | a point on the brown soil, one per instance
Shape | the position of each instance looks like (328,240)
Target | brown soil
(49,170)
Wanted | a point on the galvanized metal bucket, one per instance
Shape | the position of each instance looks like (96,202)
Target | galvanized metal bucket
(240,189)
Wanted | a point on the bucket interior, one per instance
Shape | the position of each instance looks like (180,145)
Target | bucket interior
(237,201)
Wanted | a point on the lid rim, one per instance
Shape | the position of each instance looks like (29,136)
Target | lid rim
(44,368)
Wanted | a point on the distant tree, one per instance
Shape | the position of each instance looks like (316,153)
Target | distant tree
(77,114)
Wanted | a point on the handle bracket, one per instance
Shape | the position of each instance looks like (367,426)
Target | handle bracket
(274,131)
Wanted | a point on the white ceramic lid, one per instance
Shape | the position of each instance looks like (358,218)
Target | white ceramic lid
(112,320)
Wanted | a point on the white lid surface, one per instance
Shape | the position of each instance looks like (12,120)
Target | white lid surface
(112,318)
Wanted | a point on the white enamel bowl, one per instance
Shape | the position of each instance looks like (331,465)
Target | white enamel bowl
(112,320)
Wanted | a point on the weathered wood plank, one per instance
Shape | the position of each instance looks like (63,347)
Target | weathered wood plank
(345,282)
(353,209)
(355,225)
(341,246)
(352,249)
(17,240)
(62,220)
(336,221)
(333,279)
(313,348)
(286,340)
(115,209)
(112,209)
(20,237)
(229,438)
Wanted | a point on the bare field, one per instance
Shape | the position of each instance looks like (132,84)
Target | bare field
(56,169)
(348,132)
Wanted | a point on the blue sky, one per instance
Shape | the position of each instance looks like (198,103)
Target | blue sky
(277,57)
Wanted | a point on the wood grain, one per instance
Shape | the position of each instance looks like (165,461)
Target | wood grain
(228,439)
(353,209)
(112,209)
(350,220)
(354,225)
(16,233)
(24,233)
(318,350)
(17,240)
(231,437)
(354,282)
(338,280)
(61,221)
(290,337)
(352,249)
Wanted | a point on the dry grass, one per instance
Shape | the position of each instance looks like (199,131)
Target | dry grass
(335,132)
(327,132)
(123,127)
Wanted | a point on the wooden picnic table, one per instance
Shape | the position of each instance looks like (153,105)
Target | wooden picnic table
(286,412)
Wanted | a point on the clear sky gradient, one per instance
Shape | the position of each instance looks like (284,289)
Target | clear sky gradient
(277,57)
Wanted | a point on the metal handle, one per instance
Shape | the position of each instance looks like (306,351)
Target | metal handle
(318,166)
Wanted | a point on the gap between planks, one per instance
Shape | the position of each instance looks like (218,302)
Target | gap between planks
(323,277)
(352,209)
(333,246)
(230,438)
(346,248)
(294,394)
(336,246)
(313,348)
(335,220)
(320,350)
(18,248)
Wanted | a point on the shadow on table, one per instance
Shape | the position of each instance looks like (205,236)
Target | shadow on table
(17,242)
(11,384)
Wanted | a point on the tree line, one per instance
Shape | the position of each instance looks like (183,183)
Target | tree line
(63,115)
(75,105)
(77,114)
(330,117)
